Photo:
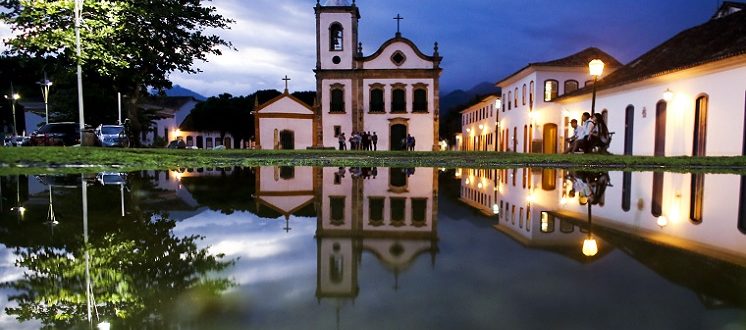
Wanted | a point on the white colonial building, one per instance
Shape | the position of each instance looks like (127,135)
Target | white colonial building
(284,122)
(479,125)
(529,119)
(686,97)
(392,92)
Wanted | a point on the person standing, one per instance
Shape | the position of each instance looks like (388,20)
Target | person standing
(342,141)
(414,141)
(374,139)
(366,141)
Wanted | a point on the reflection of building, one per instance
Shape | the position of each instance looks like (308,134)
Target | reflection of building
(666,221)
(518,199)
(391,213)
(285,189)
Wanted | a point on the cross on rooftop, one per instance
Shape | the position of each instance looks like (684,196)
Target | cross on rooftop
(286,79)
(398,19)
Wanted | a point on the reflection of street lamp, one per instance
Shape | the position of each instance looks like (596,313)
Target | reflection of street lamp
(78,21)
(596,68)
(590,247)
(45,84)
(13,98)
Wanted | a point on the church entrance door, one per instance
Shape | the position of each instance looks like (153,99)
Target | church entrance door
(398,136)
(287,140)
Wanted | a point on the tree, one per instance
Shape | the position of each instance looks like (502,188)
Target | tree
(137,43)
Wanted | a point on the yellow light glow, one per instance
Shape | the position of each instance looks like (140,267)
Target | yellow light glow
(590,247)
(481,126)
(495,209)
(662,221)
(563,201)
(531,198)
(458,173)
(668,95)
(468,182)
(468,130)
(596,67)
(480,185)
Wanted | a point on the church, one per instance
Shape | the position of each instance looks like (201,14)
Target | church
(393,92)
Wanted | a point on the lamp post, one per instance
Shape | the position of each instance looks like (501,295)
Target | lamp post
(13,98)
(45,84)
(596,68)
(78,20)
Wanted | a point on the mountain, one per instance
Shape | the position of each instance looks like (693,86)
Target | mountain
(181,91)
(460,97)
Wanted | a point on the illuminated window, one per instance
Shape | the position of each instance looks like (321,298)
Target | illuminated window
(551,90)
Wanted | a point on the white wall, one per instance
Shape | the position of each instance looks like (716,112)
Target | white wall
(725,120)
(383,61)
(303,129)
(326,20)
(470,124)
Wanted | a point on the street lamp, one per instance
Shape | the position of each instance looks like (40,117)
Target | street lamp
(596,68)
(13,98)
(78,21)
(45,84)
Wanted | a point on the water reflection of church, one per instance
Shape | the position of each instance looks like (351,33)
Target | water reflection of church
(389,212)
(663,220)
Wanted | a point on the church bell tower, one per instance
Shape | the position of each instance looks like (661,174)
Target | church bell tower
(336,34)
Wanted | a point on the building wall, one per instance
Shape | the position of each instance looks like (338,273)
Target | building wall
(485,115)
(383,61)
(303,129)
(349,23)
(725,120)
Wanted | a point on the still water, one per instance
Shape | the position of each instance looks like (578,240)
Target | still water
(373,248)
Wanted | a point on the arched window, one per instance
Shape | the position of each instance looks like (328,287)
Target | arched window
(377,103)
(571,86)
(337,104)
(660,128)
(515,97)
(531,93)
(523,95)
(398,99)
(336,37)
(551,89)
(700,127)
(419,103)
(510,100)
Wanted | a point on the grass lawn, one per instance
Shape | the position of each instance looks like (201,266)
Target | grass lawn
(72,159)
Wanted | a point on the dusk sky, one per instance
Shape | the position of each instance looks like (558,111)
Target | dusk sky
(479,40)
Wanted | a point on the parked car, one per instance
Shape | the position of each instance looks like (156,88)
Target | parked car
(111,136)
(56,134)
(111,178)
(17,141)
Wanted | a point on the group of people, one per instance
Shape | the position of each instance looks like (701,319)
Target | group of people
(359,141)
(408,143)
(592,133)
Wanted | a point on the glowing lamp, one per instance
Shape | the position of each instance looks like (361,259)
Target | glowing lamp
(481,126)
(495,209)
(668,95)
(662,221)
(596,67)
(468,130)
(590,247)
(563,201)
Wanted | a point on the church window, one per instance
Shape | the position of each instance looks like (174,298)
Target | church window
(376,99)
(398,99)
(287,172)
(337,206)
(551,90)
(337,98)
(375,211)
(336,37)
(398,208)
(420,99)
(571,86)
(419,211)
(398,58)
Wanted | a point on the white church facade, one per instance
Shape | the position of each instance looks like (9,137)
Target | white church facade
(393,92)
